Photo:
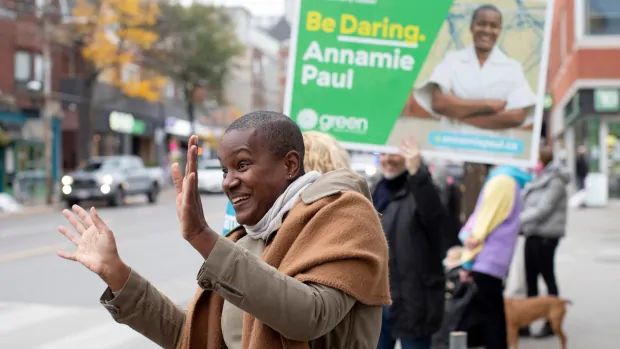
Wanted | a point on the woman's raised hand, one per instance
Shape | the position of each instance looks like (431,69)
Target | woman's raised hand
(96,246)
(189,204)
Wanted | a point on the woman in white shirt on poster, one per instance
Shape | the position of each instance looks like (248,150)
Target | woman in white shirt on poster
(479,88)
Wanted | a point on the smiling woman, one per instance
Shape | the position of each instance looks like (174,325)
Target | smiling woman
(306,267)
(322,153)
(479,87)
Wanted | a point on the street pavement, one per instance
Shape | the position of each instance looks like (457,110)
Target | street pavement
(50,303)
(47,302)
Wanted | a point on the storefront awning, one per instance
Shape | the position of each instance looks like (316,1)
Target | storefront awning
(10,131)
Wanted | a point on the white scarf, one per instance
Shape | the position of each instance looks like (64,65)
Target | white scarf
(272,220)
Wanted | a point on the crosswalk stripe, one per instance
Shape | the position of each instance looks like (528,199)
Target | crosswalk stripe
(101,337)
(21,317)
(67,327)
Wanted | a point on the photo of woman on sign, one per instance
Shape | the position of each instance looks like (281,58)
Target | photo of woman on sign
(479,86)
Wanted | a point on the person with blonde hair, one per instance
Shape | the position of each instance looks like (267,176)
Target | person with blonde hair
(323,154)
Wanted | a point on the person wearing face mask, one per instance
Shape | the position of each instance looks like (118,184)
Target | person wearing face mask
(479,87)
(411,214)
(307,267)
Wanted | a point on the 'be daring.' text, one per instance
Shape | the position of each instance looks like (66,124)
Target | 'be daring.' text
(369,33)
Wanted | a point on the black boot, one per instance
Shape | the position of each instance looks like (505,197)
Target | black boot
(546,331)
(524,332)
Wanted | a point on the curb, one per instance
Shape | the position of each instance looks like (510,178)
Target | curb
(165,195)
(32,210)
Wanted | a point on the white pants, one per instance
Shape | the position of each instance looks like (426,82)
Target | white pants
(516,286)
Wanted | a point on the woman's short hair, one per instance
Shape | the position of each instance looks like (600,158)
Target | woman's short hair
(324,153)
(484,8)
(276,130)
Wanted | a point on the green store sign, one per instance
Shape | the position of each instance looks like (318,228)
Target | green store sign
(126,123)
(607,100)
(548,104)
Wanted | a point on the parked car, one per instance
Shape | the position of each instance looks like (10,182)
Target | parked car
(110,178)
(210,176)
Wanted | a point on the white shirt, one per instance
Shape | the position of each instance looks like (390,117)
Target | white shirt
(500,78)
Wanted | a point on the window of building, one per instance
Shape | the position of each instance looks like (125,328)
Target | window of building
(28,67)
(602,17)
(23,66)
(170,89)
(38,68)
(130,73)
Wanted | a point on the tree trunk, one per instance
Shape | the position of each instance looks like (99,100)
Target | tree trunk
(84,137)
(189,105)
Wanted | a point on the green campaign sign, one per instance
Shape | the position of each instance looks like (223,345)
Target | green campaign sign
(466,78)
(355,63)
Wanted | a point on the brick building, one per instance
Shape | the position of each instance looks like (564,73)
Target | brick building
(22,71)
(584,83)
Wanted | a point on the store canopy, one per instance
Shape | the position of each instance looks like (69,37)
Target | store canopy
(11,126)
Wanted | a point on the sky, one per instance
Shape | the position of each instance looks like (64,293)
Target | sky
(257,7)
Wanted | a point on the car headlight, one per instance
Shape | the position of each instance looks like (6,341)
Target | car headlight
(107,179)
(66,180)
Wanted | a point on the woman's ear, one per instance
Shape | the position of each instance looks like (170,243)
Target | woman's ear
(294,167)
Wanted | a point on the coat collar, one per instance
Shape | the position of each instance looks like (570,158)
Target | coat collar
(334,182)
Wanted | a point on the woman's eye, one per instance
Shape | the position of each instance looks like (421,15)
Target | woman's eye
(224,172)
(243,165)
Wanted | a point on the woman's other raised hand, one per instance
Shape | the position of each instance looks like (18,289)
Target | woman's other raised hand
(96,246)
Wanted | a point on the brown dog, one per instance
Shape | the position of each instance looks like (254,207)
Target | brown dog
(521,312)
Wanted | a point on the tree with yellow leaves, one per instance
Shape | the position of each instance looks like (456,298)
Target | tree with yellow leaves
(112,35)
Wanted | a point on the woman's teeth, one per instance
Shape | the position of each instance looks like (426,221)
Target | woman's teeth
(239,199)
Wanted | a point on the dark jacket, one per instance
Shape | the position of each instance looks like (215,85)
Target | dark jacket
(452,224)
(581,166)
(412,223)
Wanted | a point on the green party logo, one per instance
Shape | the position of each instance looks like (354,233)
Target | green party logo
(309,119)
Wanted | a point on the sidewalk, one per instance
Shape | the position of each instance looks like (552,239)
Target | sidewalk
(587,262)
(167,193)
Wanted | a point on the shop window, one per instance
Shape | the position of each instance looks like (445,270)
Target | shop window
(602,17)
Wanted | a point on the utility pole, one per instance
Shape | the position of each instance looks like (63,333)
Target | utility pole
(46,111)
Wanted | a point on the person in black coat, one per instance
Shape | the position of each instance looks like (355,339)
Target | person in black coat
(582,167)
(452,224)
(412,216)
